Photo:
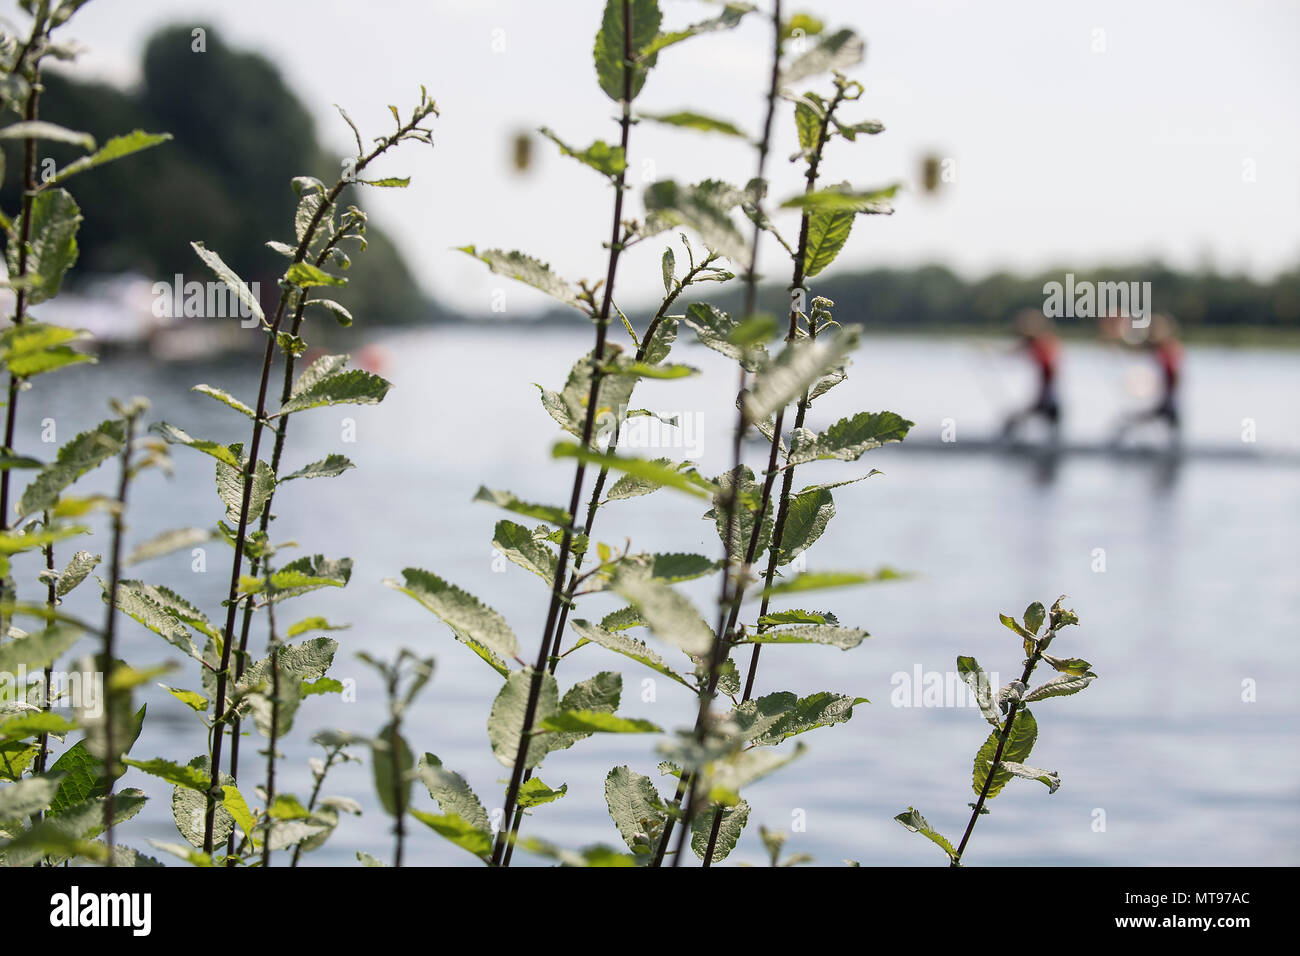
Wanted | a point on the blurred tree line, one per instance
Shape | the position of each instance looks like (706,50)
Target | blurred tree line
(240,137)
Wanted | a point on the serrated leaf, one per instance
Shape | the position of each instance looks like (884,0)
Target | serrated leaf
(668,614)
(452,793)
(609,53)
(463,834)
(824,709)
(534,793)
(115,148)
(51,248)
(603,158)
(978,681)
(1020,741)
(84,452)
(794,371)
(468,618)
(518,545)
(175,436)
(636,809)
(714,329)
(331,466)
(918,824)
(524,268)
(165,543)
(627,646)
(841,637)
(232,280)
(225,398)
(835,51)
(733,822)
(510,502)
(1061,686)
(705,208)
(333,385)
(848,438)
(595,722)
(808,514)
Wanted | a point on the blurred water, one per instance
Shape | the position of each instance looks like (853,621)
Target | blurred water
(1199,595)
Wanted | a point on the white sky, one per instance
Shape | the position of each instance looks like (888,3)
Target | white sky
(1065,157)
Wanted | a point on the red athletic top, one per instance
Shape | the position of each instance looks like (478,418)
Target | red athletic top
(1170,356)
(1045,350)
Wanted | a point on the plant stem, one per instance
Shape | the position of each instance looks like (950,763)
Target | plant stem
(399,795)
(221,714)
(30,114)
(732,496)
(241,658)
(787,480)
(110,623)
(275,715)
(1030,664)
(315,795)
(593,503)
(51,601)
(566,540)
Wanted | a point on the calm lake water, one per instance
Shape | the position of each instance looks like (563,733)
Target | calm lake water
(1183,752)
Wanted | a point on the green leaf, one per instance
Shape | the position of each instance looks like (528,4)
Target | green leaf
(705,208)
(794,371)
(34,725)
(52,246)
(696,121)
(828,231)
(37,650)
(1074,666)
(35,348)
(1015,625)
(469,619)
(647,470)
(52,132)
(83,772)
(518,545)
(191,699)
(978,681)
(230,488)
(175,436)
(918,824)
(669,614)
(115,148)
(453,828)
(164,612)
(636,809)
(733,822)
(510,502)
(843,199)
(506,721)
(534,793)
(166,543)
(453,794)
(824,709)
(1061,686)
(668,266)
(841,637)
(818,580)
(777,618)
(851,131)
(609,53)
(331,466)
(1020,741)
(715,328)
(325,382)
(848,438)
(731,15)
(836,51)
(27,797)
(189,777)
(1034,616)
(307,276)
(524,268)
(341,314)
(600,156)
(233,802)
(592,722)
(809,513)
(301,576)
(232,281)
(1048,778)
(392,769)
(628,647)
(225,398)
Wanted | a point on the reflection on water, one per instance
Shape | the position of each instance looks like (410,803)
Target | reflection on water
(1194,608)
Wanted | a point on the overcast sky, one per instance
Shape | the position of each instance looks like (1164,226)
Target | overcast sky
(1066,155)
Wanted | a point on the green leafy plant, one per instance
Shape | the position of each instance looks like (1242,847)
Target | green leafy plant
(1015,730)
